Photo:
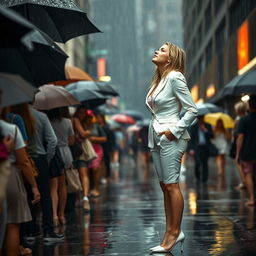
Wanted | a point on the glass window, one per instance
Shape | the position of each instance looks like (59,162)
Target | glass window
(209,52)
(220,36)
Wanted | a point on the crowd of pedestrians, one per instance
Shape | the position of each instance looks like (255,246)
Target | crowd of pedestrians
(39,151)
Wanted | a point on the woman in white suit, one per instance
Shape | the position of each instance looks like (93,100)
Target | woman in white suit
(168,136)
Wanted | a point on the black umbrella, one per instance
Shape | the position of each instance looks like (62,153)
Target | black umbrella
(15,90)
(60,19)
(206,108)
(245,83)
(12,29)
(44,64)
(107,89)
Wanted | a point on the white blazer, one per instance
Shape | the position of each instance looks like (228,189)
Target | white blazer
(170,96)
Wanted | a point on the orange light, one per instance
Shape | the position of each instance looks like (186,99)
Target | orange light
(194,92)
(101,65)
(210,91)
(242,45)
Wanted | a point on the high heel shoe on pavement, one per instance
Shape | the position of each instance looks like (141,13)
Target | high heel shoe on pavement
(180,239)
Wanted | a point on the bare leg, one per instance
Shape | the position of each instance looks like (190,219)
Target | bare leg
(250,188)
(176,211)
(168,212)
(223,163)
(218,162)
(242,177)
(62,198)
(84,179)
(96,178)
(12,239)
(54,196)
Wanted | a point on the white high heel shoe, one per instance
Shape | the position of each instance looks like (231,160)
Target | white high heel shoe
(152,248)
(180,239)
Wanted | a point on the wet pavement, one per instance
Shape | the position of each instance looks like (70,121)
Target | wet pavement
(129,218)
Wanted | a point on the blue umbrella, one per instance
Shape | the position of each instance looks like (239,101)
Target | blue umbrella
(88,98)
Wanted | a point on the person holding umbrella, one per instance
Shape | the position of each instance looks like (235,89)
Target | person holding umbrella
(246,148)
(168,135)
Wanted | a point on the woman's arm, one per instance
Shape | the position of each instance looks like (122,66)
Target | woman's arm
(98,139)
(80,129)
(183,95)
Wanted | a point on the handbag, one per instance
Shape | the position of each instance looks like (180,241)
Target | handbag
(89,153)
(72,180)
(213,150)
(56,165)
(76,149)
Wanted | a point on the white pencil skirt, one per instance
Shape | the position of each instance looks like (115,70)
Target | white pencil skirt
(167,158)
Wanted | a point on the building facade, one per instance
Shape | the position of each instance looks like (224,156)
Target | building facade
(132,31)
(219,38)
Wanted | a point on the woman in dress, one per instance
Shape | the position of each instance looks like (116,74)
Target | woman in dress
(168,135)
(81,133)
(220,140)
(65,137)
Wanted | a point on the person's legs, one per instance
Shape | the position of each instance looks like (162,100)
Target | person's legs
(248,168)
(168,212)
(12,239)
(242,177)
(62,198)
(250,188)
(217,160)
(176,206)
(96,179)
(3,220)
(222,163)
(85,182)
(43,181)
(55,199)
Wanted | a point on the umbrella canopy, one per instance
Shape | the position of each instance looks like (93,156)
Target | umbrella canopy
(42,65)
(134,128)
(60,19)
(245,83)
(134,114)
(94,86)
(83,85)
(107,89)
(50,96)
(10,22)
(205,108)
(74,74)
(212,119)
(123,119)
(89,98)
(15,90)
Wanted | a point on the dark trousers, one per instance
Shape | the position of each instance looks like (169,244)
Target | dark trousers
(43,182)
(201,165)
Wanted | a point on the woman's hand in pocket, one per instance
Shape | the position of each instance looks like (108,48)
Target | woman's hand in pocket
(168,134)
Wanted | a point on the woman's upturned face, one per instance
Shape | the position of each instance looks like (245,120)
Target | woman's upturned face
(161,56)
(81,114)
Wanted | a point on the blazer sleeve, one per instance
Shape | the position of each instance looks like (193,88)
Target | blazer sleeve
(183,95)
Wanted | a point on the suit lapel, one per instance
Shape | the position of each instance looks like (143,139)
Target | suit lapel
(160,87)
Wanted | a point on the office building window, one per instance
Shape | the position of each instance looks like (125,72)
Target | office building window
(199,5)
(239,10)
(220,36)
(217,5)
(208,18)
(208,53)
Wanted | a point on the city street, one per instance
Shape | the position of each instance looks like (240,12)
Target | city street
(128,218)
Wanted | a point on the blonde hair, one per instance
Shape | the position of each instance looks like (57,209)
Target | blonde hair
(240,107)
(177,63)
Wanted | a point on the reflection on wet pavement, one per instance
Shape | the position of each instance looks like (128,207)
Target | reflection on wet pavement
(129,218)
